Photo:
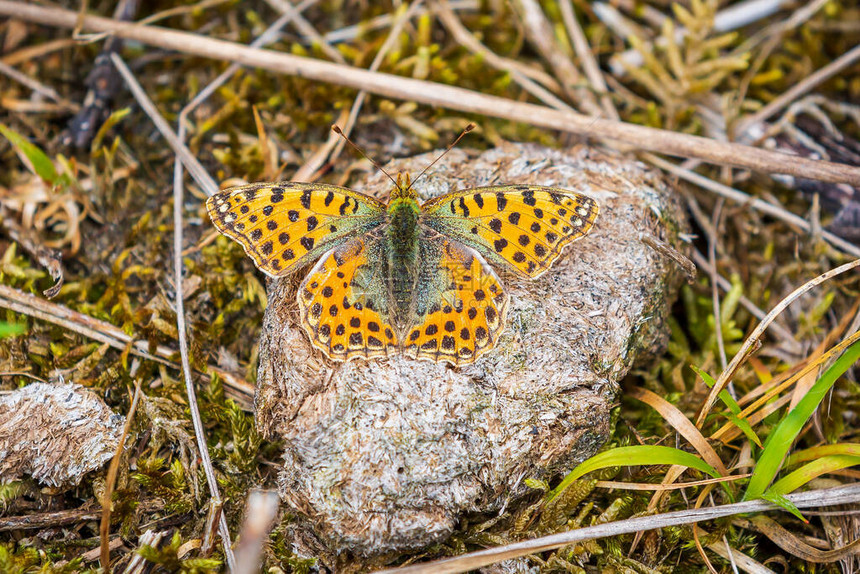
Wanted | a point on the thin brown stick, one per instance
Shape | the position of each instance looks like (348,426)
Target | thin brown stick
(198,172)
(813,499)
(32,306)
(670,252)
(589,63)
(63,517)
(209,184)
(812,80)
(110,482)
(517,71)
(306,29)
(47,519)
(758,332)
(678,421)
(744,199)
(541,35)
(37,87)
(435,94)
(400,21)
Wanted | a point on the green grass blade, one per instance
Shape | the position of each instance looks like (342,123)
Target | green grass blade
(640,455)
(817,452)
(783,436)
(807,472)
(784,503)
(733,407)
(40,163)
(11,329)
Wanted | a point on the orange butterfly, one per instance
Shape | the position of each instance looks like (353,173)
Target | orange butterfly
(402,277)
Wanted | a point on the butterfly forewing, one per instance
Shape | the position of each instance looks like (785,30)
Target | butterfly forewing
(344,305)
(523,226)
(284,226)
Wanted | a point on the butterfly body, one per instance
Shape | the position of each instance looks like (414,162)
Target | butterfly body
(404,277)
(402,245)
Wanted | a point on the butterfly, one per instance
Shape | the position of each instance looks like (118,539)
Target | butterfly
(402,277)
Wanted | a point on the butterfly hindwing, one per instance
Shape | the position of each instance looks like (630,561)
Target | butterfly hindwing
(344,305)
(459,304)
(284,226)
(523,226)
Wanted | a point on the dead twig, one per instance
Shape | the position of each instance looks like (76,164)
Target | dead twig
(432,93)
(812,80)
(209,184)
(740,197)
(589,62)
(849,494)
(43,520)
(32,306)
(37,87)
(399,23)
(540,33)
(523,75)
(197,171)
(306,29)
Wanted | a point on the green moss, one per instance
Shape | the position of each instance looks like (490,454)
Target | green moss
(122,271)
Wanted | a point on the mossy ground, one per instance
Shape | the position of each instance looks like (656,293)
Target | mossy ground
(122,270)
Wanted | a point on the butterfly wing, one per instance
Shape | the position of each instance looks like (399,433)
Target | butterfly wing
(283,226)
(524,227)
(459,305)
(344,302)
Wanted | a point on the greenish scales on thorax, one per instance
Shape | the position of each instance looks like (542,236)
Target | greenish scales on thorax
(402,236)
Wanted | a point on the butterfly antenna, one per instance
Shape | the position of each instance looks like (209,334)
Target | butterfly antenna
(468,128)
(336,129)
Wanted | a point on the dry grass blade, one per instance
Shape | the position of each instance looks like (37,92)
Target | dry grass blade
(813,499)
(110,482)
(682,424)
(728,432)
(758,332)
(48,258)
(794,545)
(432,93)
(645,486)
(740,559)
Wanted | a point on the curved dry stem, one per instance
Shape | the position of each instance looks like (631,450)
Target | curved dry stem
(436,94)
(758,332)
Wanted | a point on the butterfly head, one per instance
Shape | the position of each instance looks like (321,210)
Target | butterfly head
(402,190)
